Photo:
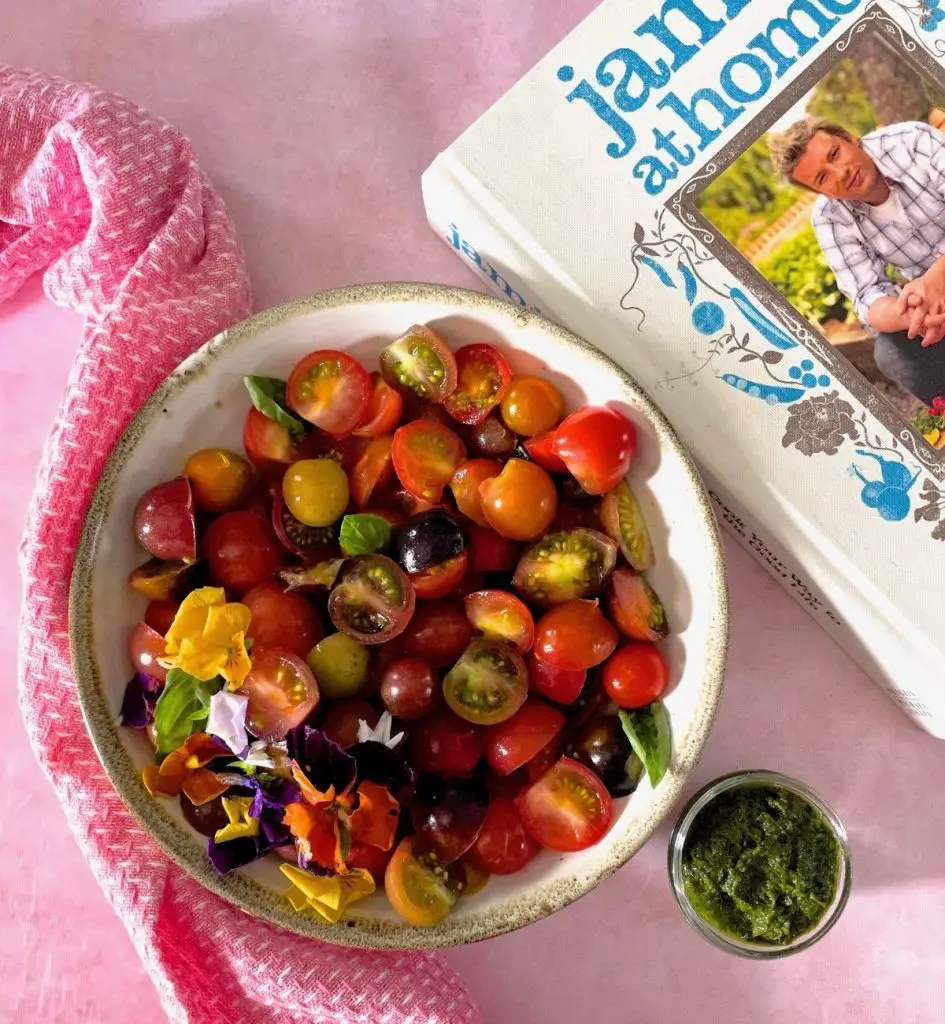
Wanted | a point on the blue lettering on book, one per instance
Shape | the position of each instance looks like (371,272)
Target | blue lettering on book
(626,78)
(499,282)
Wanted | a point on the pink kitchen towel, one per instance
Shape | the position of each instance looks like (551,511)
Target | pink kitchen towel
(109,202)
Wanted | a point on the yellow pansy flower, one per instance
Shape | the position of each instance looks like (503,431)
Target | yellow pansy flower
(242,824)
(328,895)
(208,637)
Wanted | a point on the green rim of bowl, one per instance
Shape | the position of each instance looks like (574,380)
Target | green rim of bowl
(247,894)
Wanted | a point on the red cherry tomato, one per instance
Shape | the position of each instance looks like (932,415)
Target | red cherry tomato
(340,723)
(567,809)
(145,646)
(483,378)
(282,693)
(491,552)
(410,688)
(445,743)
(574,636)
(557,684)
(426,455)
(499,614)
(503,846)
(385,410)
(311,543)
(597,446)
(242,550)
(164,521)
(512,743)
(635,676)
(373,469)
(269,446)
(440,580)
(465,486)
(542,450)
(283,619)
(160,614)
(331,390)
(438,632)
(370,859)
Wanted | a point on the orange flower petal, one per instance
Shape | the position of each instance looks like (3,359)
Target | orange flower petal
(194,752)
(202,786)
(375,820)
(159,783)
(316,830)
(309,793)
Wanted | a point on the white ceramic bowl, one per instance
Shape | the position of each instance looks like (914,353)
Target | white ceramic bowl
(203,404)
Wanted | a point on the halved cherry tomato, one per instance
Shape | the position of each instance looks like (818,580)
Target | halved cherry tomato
(512,743)
(426,455)
(372,599)
(312,543)
(520,502)
(440,580)
(438,632)
(491,552)
(164,521)
(331,390)
(373,469)
(418,886)
(421,362)
(488,684)
(501,615)
(443,742)
(636,675)
(483,377)
(542,450)
(503,846)
(268,445)
(567,809)
(557,684)
(574,636)
(145,646)
(385,410)
(465,486)
(218,478)
(160,581)
(532,405)
(160,614)
(242,550)
(282,693)
(282,619)
(597,445)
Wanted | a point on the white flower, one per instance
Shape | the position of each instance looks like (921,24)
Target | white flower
(228,719)
(258,755)
(380,734)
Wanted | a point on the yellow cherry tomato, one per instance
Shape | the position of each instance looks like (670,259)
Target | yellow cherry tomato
(218,478)
(316,491)
(532,405)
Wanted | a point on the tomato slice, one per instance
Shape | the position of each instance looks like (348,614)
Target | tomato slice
(426,455)
(514,742)
(384,412)
(331,390)
(418,886)
(597,445)
(373,469)
(421,362)
(488,684)
(483,378)
(567,809)
(372,599)
(542,450)
(441,580)
(498,614)
(503,846)
(282,693)
(465,486)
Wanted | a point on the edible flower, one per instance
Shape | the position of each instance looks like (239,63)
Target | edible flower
(208,637)
(141,696)
(381,733)
(267,807)
(227,719)
(241,823)
(184,770)
(327,895)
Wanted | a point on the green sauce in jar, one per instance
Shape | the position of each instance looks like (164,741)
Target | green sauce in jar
(761,864)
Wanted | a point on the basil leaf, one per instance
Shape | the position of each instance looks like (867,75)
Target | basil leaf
(647,729)
(268,395)
(184,703)
(363,534)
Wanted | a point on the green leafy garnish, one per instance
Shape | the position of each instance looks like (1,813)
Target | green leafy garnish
(268,395)
(183,706)
(363,534)
(647,729)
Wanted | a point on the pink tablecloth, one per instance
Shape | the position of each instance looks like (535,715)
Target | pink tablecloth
(258,87)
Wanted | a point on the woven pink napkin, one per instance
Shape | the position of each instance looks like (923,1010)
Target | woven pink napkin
(109,201)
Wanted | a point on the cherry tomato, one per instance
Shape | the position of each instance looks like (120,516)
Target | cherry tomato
(542,450)
(545,759)
(206,818)
(503,846)
(312,543)
(164,521)
(574,636)
(159,581)
(634,607)
(418,886)
(160,614)
(410,688)
(566,565)
(597,445)
(520,502)
(465,486)
(492,439)
(438,632)
(218,478)
(440,580)
(557,684)
(282,619)
(512,743)
(421,362)
(242,550)
(426,455)
(316,491)
(370,859)
(145,646)
(282,693)
(340,723)
(483,378)
(372,599)
(532,405)
(340,665)
(331,390)
(491,552)
(488,684)
(268,445)
(567,809)
(373,469)
(385,410)
(445,743)
(635,676)
(498,614)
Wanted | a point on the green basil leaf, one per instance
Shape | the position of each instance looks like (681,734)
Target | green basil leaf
(363,534)
(183,704)
(268,395)
(647,729)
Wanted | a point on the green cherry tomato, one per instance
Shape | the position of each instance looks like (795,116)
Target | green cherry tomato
(340,665)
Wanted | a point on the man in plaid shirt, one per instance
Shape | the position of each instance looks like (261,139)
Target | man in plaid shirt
(882,203)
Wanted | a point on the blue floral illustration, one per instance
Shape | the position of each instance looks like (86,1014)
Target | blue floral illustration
(890,494)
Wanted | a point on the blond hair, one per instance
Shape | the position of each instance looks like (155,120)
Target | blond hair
(787,147)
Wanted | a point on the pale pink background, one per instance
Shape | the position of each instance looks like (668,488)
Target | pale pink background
(315,120)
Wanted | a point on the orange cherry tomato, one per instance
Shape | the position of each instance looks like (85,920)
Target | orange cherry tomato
(483,377)
(373,469)
(520,502)
(635,676)
(417,886)
(385,410)
(465,486)
(532,405)
(426,455)
(574,636)
(218,478)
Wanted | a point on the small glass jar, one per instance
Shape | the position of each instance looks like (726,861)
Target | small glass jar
(677,843)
